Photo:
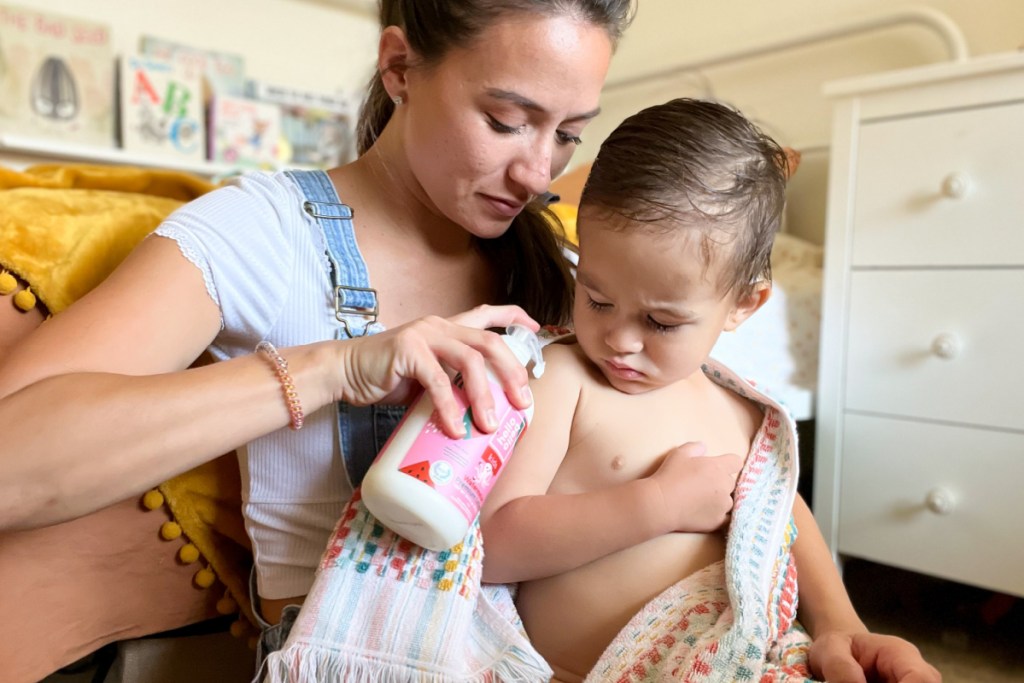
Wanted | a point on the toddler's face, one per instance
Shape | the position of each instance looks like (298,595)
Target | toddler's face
(648,310)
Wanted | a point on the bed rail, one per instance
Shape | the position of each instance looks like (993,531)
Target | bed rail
(938,22)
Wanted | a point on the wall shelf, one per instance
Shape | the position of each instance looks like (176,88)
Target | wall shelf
(58,151)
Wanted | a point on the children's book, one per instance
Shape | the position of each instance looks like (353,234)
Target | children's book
(161,108)
(317,129)
(222,73)
(244,132)
(56,77)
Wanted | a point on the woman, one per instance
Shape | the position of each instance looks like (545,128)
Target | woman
(476,107)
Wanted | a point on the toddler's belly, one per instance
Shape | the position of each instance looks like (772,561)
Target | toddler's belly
(572,617)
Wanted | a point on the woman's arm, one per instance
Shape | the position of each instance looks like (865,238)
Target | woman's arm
(97,404)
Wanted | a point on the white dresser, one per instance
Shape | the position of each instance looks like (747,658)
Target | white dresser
(919,457)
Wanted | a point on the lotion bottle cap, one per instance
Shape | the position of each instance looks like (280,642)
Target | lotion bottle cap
(527,347)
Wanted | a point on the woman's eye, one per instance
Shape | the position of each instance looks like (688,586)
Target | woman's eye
(503,128)
(568,138)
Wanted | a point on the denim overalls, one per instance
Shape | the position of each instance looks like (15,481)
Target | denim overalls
(362,430)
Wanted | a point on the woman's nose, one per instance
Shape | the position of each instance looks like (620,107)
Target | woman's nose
(533,168)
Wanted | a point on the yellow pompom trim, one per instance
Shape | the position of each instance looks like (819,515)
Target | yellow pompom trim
(25,300)
(152,500)
(170,531)
(204,578)
(188,553)
(227,605)
(8,283)
(239,628)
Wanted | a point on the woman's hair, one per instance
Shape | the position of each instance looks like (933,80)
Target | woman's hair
(698,164)
(527,257)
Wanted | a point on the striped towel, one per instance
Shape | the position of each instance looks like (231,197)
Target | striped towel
(384,610)
(734,620)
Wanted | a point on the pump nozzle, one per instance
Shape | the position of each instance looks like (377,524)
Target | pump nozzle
(526,345)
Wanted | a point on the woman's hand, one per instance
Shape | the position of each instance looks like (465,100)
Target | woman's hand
(424,352)
(864,656)
(696,489)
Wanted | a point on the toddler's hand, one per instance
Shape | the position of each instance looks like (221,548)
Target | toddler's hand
(696,489)
(861,656)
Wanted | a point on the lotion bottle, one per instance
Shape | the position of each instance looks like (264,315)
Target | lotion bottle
(429,488)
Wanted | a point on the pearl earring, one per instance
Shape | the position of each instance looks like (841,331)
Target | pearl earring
(397,99)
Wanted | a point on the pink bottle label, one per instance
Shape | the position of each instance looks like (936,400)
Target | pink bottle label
(464,470)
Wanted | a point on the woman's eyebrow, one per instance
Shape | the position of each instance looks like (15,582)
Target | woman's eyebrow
(527,103)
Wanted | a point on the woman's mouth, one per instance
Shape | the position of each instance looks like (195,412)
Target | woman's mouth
(505,208)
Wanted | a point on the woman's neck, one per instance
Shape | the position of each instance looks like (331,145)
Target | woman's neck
(387,200)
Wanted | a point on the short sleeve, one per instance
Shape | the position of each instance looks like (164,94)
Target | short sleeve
(242,237)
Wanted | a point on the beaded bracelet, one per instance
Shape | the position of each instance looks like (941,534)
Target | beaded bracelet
(291,396)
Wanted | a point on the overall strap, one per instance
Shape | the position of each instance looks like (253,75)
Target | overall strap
(355,302)
(362,430)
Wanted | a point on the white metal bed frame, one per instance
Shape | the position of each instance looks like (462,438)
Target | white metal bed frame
(936,21)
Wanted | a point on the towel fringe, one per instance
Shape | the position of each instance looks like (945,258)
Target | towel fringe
(306,664)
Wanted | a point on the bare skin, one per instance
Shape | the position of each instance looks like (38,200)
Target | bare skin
(565,622)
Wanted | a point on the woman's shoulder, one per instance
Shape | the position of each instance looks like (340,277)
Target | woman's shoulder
(270,187)
(243,207)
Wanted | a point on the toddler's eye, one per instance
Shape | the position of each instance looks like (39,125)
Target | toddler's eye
(597,305)
(661,327)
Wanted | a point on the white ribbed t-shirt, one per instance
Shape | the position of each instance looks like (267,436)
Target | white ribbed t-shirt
(264,263)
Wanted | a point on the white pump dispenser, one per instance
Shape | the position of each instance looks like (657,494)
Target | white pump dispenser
(428,487)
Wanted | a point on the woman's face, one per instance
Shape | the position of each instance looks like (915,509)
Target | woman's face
(487,129)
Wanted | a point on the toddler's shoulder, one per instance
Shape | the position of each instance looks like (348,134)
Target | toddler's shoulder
(564,356)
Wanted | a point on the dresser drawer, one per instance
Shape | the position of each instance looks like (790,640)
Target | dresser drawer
(937,344)
(935,499)
(941,189)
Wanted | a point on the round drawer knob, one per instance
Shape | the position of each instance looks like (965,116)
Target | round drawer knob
(940,501)
(956,185)
(946,346)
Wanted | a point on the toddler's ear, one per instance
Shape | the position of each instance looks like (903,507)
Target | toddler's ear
(792,161)
(748,305)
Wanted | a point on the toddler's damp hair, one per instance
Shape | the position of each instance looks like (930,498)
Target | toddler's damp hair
(694,163)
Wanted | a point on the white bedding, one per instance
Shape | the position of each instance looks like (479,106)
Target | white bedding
(777,347)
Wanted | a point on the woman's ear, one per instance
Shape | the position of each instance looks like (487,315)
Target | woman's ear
(748,305)
(393,57)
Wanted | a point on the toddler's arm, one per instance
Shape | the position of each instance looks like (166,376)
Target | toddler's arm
(843,650)
(529,534)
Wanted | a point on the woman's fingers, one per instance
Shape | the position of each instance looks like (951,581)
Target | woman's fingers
(484,317)
(431,350)
(470,352)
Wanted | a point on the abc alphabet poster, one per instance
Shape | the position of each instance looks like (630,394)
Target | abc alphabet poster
(161,111)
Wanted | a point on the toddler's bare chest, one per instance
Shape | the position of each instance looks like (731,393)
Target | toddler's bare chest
(619,437)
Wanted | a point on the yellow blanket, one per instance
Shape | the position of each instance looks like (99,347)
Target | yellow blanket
(63,229)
